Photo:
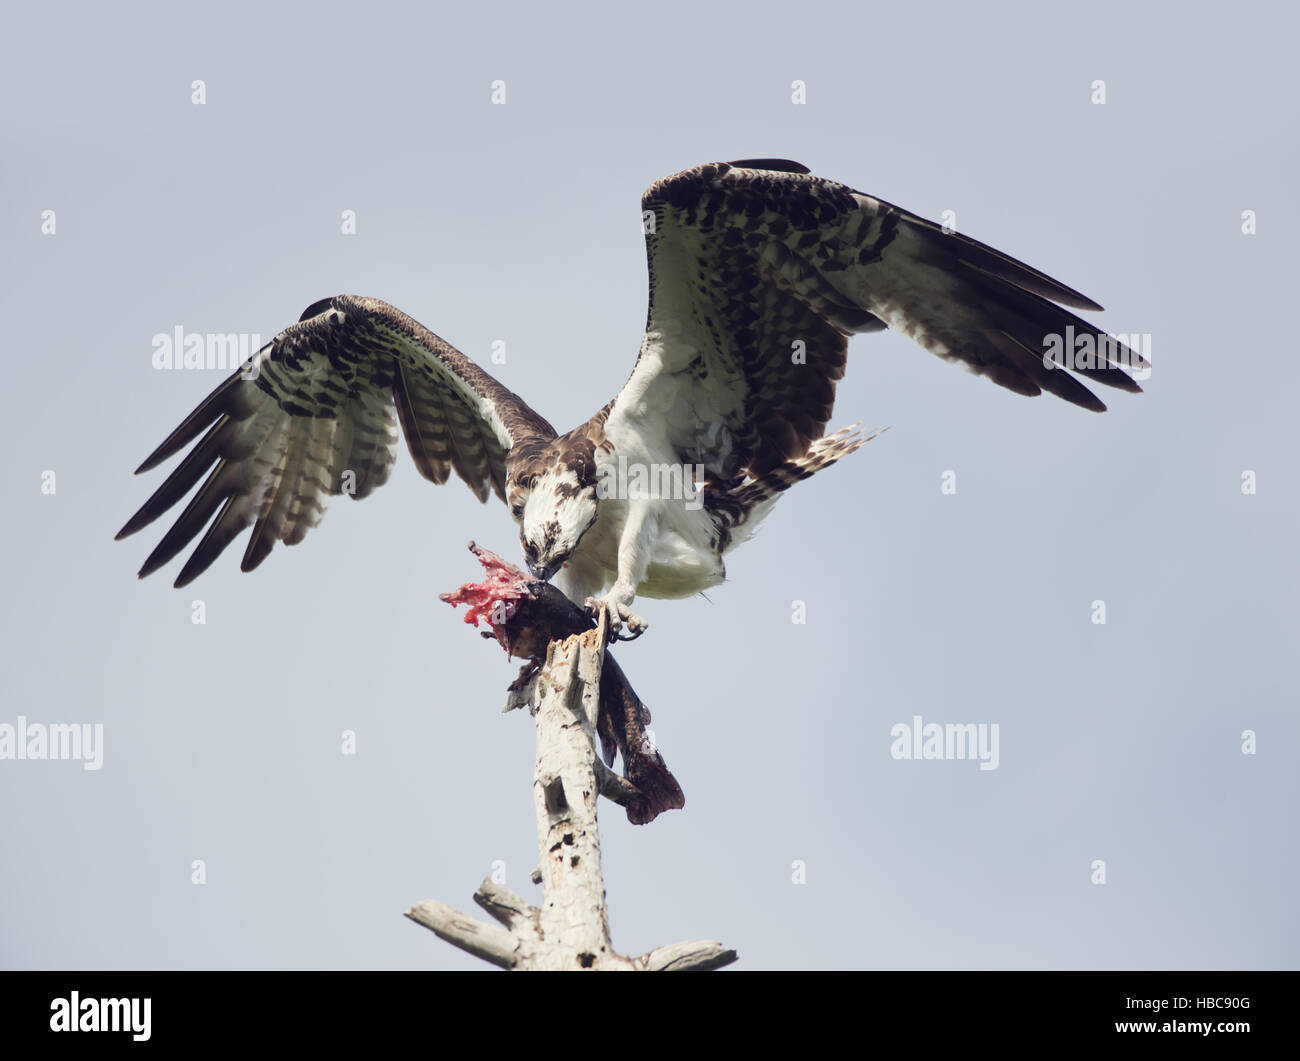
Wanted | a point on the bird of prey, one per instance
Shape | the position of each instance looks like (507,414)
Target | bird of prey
(759,274)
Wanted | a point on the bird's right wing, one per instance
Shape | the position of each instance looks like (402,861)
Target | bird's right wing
(314,414)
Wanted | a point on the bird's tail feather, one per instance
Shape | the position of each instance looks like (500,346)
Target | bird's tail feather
(752,501)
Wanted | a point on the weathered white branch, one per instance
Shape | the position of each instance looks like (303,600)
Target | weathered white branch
(571,928)
(574,920)
(489,942)
(507,907)
(680,957)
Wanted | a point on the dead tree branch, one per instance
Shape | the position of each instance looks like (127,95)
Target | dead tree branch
(574,697)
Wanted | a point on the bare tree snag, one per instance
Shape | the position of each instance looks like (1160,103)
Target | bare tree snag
(574,920)
(569,689)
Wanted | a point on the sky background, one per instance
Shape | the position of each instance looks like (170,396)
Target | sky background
(520,223)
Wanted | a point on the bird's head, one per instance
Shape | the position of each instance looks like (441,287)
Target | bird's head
(555,505)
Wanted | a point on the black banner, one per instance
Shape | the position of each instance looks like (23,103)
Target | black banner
(338,1009)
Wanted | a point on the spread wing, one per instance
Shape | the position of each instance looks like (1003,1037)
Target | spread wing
(760,271)
(314,414)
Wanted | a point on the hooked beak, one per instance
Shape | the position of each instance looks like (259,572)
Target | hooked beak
(545,573)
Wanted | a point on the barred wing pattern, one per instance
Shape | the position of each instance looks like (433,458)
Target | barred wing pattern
(314,414)
(760,271)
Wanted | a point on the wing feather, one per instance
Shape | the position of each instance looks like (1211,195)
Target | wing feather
(759,272)
(315,413)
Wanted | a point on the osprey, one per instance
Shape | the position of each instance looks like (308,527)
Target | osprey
(759,273)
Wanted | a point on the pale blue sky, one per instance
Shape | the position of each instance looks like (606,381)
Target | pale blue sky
(521,223)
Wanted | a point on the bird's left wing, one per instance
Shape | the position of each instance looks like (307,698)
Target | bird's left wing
(759,272)
(314,414)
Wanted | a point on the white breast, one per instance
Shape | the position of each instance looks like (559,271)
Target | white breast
(676,533)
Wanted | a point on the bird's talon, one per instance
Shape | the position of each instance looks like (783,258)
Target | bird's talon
(617,616)
(636,626)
